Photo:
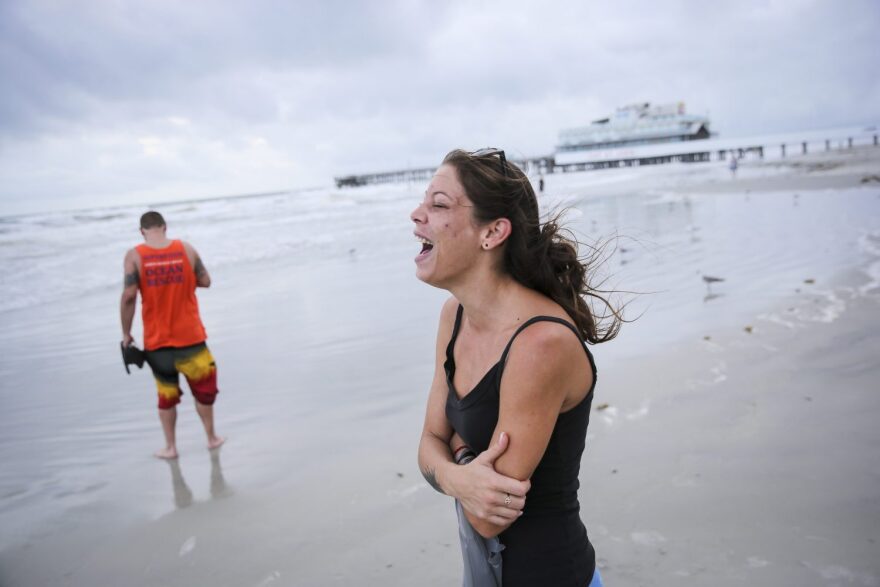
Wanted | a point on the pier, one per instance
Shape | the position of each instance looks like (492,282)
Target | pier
(712,149)
(403,175)
(543,164)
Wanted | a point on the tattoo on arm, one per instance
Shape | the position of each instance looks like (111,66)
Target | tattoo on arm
(432,480)
(199,268)
(131,279)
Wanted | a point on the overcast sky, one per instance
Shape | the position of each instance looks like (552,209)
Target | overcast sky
(138,101)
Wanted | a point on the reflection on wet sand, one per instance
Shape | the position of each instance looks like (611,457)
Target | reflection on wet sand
(219,488)
(711,296)
(183,495)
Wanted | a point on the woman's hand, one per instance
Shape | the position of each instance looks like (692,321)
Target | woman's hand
(486,494)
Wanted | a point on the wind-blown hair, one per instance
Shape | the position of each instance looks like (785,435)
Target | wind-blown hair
(536,255)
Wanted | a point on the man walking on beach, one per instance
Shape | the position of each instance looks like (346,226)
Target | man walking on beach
(166,273)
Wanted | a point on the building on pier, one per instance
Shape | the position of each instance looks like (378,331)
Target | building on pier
(632,126)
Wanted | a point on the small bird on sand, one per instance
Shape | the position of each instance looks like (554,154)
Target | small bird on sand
(709,280)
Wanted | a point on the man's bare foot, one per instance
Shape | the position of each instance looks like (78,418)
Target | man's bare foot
(215,442)
(166,453)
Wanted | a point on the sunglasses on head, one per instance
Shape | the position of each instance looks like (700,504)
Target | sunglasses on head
(488,152)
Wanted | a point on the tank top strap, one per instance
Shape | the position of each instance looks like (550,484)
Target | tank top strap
(455,329)
(458,314)
(535,319)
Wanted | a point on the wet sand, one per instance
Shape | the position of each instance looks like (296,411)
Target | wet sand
(747,458)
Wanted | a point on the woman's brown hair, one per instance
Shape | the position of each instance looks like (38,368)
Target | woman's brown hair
(536,255)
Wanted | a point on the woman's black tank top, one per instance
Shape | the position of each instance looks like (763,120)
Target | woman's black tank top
(548,544)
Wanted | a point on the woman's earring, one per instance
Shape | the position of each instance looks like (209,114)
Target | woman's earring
(485,245)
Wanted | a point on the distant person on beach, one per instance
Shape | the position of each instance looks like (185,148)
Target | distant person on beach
(541,184)
(733,164)
(509,405)
(166,273)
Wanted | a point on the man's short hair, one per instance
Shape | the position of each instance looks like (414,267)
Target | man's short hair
(152,219)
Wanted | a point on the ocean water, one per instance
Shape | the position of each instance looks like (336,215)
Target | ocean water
(662,238)
(323,335)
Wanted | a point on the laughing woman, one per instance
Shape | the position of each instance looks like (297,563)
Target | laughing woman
(514,380)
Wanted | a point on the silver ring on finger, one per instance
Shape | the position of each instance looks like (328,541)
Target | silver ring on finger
(507,500)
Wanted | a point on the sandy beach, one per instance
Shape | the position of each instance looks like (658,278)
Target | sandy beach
(732,440)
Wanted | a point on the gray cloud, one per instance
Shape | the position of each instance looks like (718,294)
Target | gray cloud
(192,54)
(167,99)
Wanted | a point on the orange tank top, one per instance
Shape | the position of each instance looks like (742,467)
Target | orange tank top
(168,298)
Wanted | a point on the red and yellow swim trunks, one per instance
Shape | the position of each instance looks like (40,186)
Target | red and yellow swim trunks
(196,364)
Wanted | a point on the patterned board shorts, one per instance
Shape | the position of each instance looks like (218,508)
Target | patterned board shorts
(196,364)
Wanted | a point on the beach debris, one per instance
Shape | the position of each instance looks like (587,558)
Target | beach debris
(399,474)
(870,178)
(270,578)
(188,546)
(810,281)
(707,337)
(748,329)
(710,280)
(647,537)
(614,471)
(601,407)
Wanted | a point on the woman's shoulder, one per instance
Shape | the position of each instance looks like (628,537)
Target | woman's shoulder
(538,306)
(549,350)
(549,330)
(447,317)
(547,337)
(450,307)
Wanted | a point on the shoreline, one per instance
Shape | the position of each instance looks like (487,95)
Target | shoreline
(858,167)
